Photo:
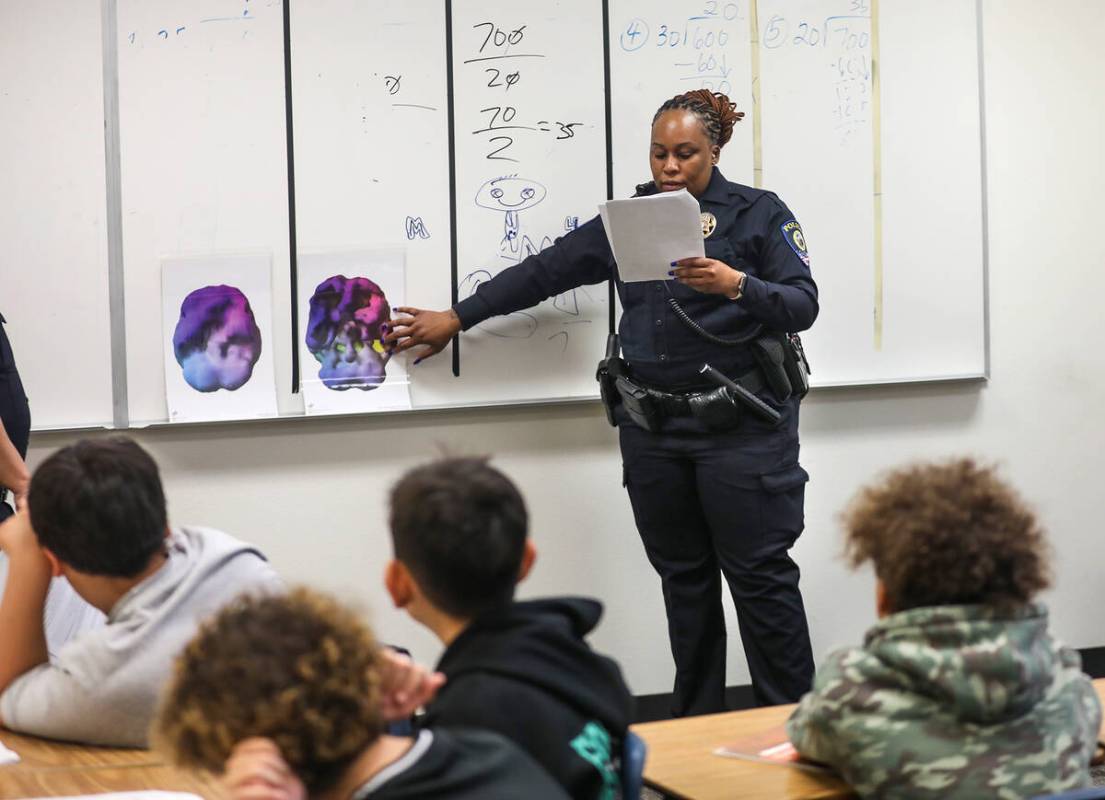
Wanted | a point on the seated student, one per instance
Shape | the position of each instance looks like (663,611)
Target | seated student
(284,692)
(66,615)
(97,517)
(522,669)
(958,691)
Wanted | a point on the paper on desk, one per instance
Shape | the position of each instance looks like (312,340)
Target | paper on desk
(648,233)
(7,756)
(129,796)
(770,747)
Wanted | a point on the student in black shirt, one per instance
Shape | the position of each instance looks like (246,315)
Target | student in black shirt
(287,697)
(521,669)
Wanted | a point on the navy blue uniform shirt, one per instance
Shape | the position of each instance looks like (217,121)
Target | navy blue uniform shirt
(754,233)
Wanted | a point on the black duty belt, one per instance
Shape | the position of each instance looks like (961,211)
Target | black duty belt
(678,404)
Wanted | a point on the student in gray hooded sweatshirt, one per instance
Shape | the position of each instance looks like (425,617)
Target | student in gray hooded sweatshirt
(97,517)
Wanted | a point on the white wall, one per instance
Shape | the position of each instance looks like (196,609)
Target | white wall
(311,492)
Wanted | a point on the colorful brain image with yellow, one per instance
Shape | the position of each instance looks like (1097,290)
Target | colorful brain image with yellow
(345,329)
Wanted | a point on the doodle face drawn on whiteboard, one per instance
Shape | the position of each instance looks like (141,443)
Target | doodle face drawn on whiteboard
(510,195)
(348,318)
(216,341)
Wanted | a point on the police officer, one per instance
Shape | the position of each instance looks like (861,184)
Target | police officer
(709,495)
(15,427)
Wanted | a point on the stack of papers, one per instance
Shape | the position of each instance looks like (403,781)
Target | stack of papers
(648,233)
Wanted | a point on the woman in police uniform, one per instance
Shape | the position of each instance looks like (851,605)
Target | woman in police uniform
(707,502)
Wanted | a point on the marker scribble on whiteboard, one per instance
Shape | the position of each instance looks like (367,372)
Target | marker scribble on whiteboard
(511,194)
(416,228)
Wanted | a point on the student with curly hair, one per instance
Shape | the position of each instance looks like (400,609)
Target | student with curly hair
(716,490)
(958,691)
(283,695)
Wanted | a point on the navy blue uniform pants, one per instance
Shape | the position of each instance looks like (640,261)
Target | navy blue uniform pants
(730,504)
(15,413)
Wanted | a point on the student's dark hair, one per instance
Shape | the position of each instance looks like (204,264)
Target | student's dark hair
(298,668)
(717,113)
(948,534)
(459,526)
(99,507)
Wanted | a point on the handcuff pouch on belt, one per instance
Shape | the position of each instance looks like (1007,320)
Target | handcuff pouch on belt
(783,362)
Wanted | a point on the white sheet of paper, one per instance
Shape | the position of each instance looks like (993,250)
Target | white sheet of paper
(223,359)
(7,756)
(648,233)
(340,345)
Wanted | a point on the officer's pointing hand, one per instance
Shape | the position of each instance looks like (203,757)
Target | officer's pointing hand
(707,275)
(421,327)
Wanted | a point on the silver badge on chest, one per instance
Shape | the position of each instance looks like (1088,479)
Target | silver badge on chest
(709,222)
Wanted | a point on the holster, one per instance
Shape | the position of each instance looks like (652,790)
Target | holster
(639,404)
(716,409)
(609,370)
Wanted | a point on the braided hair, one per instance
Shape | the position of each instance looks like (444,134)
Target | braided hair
(717,113)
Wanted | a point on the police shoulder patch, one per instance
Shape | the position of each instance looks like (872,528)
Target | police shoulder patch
(792,232)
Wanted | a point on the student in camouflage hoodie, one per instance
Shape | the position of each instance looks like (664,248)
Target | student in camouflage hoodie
(958,691)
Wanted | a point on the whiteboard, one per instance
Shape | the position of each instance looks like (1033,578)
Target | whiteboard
(204,163)
(408,116)
(53,265)
(371,130)
(817,119)
(529,116)
(659,49)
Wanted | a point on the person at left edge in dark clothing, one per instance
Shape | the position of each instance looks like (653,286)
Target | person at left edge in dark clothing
(66,613)
(712,475)
(15,429)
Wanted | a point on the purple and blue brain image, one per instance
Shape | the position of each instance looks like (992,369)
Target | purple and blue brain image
(217,341)
(344,333)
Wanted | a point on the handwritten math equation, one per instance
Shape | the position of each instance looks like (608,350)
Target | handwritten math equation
(696,42)
(845,38)
(500,55)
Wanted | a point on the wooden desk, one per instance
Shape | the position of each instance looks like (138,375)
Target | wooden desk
(59,781)
(681,761)
(37,753)
(54,769)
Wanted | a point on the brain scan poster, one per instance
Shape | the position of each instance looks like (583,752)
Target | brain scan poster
(217,322)
(346,302)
